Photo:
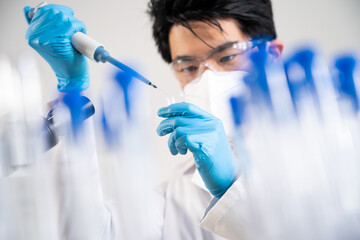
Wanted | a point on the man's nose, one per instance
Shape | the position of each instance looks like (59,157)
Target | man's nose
(205,67)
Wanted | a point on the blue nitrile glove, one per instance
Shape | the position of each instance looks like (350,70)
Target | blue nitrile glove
(49,34)
(203,134)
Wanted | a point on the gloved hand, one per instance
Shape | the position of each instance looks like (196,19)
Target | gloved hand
(49,34)
(203,134)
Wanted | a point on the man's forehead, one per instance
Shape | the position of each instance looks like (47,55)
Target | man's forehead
(203,37)
(207,30)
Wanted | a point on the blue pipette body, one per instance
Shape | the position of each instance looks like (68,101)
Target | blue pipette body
(101,55)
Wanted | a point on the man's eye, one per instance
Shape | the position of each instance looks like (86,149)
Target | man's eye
(227,58)
(189,69)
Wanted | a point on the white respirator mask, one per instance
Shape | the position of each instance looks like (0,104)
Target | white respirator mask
(212,92)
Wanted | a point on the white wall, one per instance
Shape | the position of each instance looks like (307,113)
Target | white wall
(124,28)
(333,24)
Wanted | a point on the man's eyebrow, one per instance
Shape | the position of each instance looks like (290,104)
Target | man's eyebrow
(184,58)
(215,50)
(222,47)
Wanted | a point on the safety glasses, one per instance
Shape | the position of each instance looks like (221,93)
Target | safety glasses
(229,57)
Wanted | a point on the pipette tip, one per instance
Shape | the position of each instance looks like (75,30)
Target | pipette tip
(153,85)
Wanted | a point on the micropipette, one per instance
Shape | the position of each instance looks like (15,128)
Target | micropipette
(95,50)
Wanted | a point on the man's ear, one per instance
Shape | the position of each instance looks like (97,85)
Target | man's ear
(275,49)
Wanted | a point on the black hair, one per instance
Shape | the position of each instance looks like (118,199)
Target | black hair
(254,17)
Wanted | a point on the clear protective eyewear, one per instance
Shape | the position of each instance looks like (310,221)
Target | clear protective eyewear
(229,57)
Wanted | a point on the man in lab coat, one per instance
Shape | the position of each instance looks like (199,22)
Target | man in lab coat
(207,44)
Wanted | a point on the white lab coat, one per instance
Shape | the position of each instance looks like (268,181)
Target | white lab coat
(184,200)
(180,204)
(225,216)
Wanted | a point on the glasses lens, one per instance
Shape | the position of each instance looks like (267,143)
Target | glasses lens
(232,58)
(186,70)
